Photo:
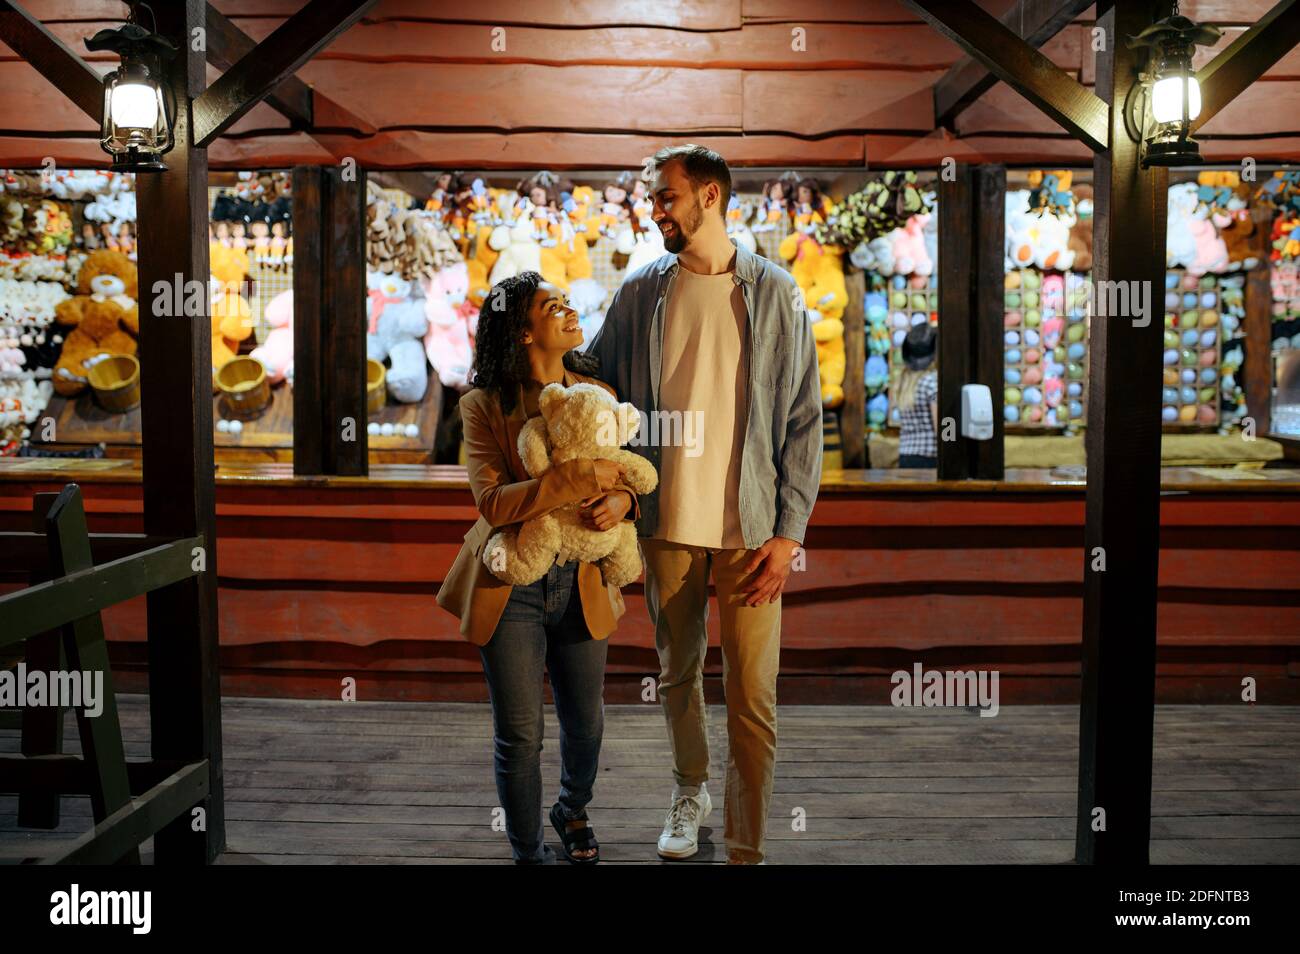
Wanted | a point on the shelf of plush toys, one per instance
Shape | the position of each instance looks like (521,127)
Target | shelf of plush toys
(67,249)
(584,238)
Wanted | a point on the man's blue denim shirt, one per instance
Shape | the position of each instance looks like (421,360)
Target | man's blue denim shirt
(781,464)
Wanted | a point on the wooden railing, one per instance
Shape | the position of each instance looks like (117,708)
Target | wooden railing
(59,622)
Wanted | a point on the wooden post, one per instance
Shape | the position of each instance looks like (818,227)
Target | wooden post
(971,249)
(1257,372)
(329,295)
(1121,557)
(853,414)
(956,268)
(344,301)
(986,459)
(308,373)
(176,425)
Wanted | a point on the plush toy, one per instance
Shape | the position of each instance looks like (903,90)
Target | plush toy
(583,421)
(1036,240)
(1211,252)
(911,256)
(1180,243)
(232,319)
(1080,241)
(397,326)
(105,317)
(453,321)
(517,250)
(276,352)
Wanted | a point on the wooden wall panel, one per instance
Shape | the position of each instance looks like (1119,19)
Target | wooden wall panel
(828,101)
(754,46)
(534,97)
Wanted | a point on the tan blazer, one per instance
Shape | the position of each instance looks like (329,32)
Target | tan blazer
(505,494)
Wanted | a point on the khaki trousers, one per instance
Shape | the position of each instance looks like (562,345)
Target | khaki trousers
(677,595)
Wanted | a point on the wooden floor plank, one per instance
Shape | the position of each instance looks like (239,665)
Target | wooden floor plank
(324,782)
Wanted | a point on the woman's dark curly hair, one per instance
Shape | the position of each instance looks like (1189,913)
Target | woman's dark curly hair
(500,356)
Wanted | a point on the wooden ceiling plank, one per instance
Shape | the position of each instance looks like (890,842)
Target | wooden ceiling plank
(57,62)
(1247,58)
(269,63)
(1034,21)
(1020,66)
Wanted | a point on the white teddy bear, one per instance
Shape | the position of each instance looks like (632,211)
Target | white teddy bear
(581,421)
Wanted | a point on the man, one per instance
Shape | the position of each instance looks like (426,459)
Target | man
(713,343)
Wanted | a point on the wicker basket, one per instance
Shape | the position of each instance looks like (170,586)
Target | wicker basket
(116,382)
(376,390)
(245,391)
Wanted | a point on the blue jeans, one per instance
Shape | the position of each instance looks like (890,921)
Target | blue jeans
(542,628)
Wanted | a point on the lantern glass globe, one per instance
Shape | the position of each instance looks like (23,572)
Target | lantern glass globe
(134,106)
(1167,98)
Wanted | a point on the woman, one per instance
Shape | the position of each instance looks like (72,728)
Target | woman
(526,338)
(916,395)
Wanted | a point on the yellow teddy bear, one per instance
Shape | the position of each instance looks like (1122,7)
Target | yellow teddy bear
(232,319)
(818,270)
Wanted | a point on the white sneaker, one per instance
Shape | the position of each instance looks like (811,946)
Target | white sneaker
(681,834)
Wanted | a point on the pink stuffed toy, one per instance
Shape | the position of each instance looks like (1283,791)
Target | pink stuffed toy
(276,352)
(453,320)
(911,257)
(1211,250)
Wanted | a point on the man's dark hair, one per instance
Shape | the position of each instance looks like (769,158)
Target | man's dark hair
(700,164)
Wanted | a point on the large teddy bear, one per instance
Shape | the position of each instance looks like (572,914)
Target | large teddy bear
(396,330)
(105,317)
(577,422)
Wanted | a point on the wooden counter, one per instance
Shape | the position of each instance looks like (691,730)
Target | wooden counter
(323,578)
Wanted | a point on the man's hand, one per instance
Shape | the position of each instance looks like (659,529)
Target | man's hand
(605,510)
(774,557)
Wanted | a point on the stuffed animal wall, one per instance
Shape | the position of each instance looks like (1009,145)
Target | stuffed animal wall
(276,351)
(396,327)
(577,422)
(104,316)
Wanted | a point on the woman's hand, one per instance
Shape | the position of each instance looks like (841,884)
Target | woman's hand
(605,511)
(608,473)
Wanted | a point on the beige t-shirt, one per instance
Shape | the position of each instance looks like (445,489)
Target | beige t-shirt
(703,378)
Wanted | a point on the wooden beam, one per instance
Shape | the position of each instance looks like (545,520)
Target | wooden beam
(1020,66)
(269,63)
(45,606)
(149,814)
(53,59)
(1034,21)
(178,490)
(227,45)
(1122,532)
(1247,58)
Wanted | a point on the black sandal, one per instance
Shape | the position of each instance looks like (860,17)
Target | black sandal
(575,835)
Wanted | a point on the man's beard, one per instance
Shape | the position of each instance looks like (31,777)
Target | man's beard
(682,231)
